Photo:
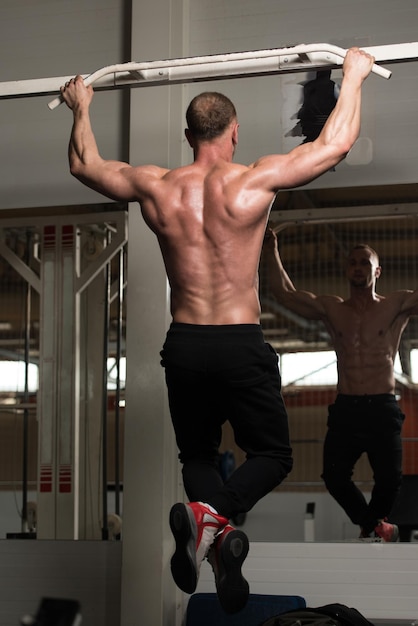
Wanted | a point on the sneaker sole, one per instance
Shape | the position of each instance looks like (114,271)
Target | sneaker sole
(183,561)
(232,588)
(395,536)
(369,540)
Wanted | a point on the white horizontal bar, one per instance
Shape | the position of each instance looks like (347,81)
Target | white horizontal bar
(292,217)
(236,64)
(397,52)
(232,65)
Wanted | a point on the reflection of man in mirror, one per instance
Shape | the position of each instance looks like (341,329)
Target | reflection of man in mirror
(365,330)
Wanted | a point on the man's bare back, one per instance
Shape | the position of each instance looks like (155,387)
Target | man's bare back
(210,245)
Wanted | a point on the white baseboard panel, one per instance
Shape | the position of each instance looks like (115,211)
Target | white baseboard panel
(380,580)
(87,571)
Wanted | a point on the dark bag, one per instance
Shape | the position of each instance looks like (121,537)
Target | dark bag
(328,615)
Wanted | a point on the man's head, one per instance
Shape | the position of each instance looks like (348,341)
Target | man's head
(209,114)
(363,267)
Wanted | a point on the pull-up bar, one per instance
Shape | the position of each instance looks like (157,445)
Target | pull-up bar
(301,58)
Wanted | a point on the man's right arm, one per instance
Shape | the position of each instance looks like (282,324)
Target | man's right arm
(304,303)
(312,159)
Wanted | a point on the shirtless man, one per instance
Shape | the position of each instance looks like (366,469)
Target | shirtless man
(365,331)
(209,218)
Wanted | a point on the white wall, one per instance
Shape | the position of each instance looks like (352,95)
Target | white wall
(389,118)
(379,580)
(86,571)
(43,39)
(63,38)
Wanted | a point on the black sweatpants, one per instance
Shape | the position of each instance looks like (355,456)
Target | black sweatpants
(219,373)
(368,424)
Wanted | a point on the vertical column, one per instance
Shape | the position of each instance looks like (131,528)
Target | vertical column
(151,483)
(67,521)
(90,394)
(47,407)
(56,490)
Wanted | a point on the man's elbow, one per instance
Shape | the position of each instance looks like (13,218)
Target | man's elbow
(76,169)
(345,149)
(337,148)
(281,295)
(345,145)
(73,164)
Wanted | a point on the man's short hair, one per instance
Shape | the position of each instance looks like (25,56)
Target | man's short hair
(364,246)
(209,114)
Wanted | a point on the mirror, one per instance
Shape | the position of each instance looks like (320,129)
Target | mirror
(313,250)
(62,358)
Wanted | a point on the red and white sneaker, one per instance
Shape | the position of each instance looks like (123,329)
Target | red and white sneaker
(226,556)
(387,532)
(194,526)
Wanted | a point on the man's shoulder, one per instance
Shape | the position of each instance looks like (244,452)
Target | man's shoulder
(332,300)
(405,301)
(394,298)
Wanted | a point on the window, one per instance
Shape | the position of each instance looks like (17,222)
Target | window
(309,368)
(414,365)
(320,368)
(12,376)
(112,373)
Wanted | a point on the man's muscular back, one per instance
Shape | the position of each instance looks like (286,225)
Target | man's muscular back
(210,226)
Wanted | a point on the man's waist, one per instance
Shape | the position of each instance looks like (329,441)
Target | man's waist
(212,310)
(360,376)
(366,398)
(216,317)
(180,327)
